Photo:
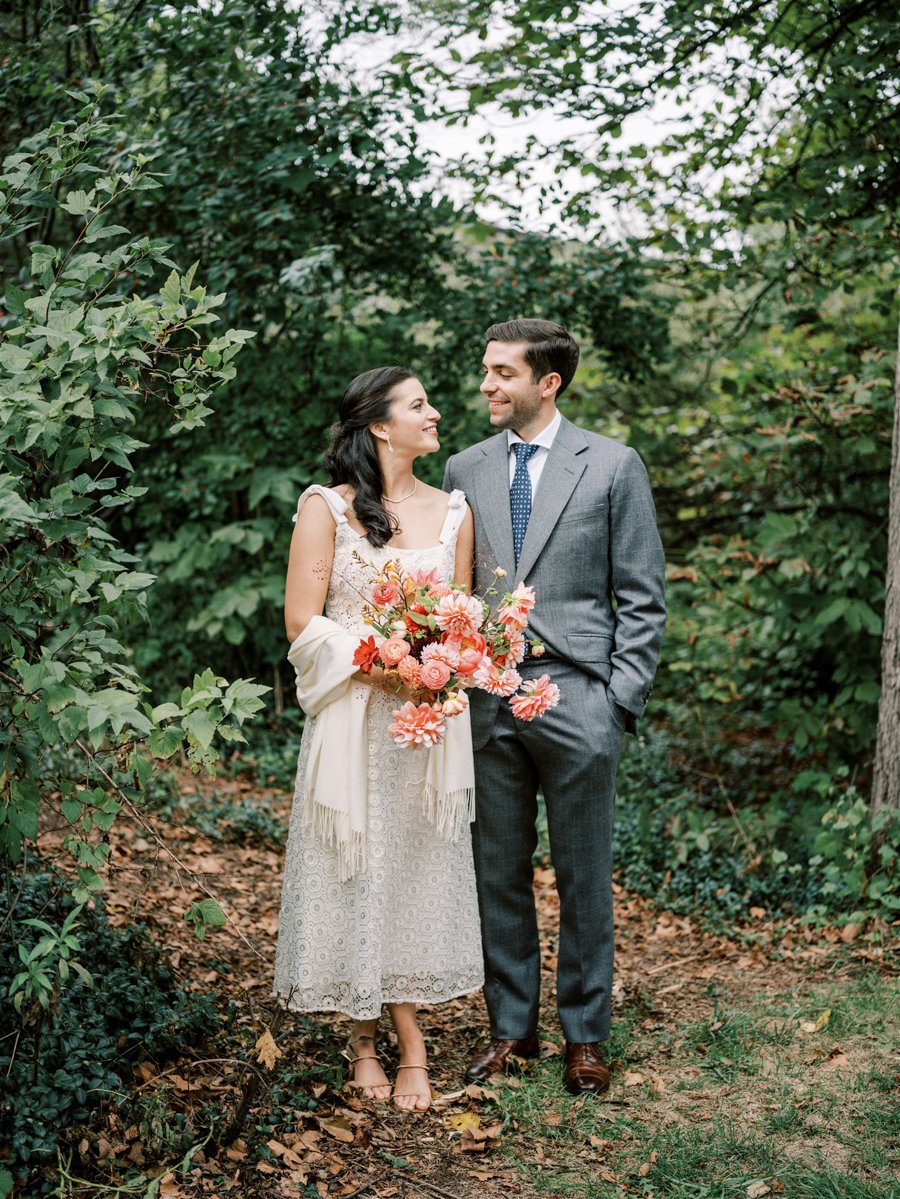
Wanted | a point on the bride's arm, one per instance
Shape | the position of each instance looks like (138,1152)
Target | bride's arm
(309,566)
(465,550)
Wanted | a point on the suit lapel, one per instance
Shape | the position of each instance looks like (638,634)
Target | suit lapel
(562,470)
(492,498)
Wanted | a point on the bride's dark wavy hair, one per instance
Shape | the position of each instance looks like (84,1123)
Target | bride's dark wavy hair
(351,457)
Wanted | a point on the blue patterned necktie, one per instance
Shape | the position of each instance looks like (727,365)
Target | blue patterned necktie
(520,494)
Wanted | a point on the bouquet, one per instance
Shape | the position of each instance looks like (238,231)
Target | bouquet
(439,641)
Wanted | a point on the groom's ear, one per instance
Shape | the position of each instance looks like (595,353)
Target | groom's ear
(550,385)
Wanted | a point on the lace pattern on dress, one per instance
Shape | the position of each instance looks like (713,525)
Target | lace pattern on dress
(405,930)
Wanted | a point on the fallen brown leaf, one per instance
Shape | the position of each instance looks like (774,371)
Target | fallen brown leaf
(338,1127)
(267,1051)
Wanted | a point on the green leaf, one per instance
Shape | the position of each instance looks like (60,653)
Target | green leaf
(163,743)
(78,202)
(14,358)
(205,914)
(833,612)
(200,727)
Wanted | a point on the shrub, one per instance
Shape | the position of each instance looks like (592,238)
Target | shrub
(61,1063)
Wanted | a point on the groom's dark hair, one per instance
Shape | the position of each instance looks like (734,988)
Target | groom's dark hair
(550,348)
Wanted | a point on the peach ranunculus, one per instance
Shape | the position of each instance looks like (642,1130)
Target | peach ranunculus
(497,681)
(417,725)
(434,674)
(516,606)
(538,697)
(385,594)
(456,702)
(459,614)
(393,651)
(410,672)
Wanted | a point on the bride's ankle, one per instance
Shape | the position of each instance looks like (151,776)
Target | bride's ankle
(412,1050)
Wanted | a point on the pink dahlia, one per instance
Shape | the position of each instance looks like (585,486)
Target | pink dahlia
(538,697)
(442,651)
(430,579)
(495,680)
(516,606)
(422,725)
(459,614)
(516,651)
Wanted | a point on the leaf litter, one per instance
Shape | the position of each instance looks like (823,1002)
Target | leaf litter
(671,975)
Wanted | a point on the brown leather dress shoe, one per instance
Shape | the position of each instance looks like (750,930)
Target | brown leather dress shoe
(586,1072)
(494,1058)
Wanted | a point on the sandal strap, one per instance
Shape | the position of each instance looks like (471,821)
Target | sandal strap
(412,1066)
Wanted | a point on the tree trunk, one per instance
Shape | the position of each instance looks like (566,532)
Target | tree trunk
(886,780)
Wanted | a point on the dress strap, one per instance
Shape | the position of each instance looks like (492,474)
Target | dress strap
(337,505)
(456,511)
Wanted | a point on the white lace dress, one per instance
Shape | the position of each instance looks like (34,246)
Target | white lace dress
(406,928)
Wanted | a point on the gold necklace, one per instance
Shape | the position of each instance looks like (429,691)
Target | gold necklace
(387,499)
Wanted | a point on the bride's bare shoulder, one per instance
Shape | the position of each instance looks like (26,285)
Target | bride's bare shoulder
(433,495)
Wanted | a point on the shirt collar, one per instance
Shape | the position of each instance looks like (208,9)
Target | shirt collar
(545,438)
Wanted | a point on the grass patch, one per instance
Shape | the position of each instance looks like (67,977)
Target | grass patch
(799,1095)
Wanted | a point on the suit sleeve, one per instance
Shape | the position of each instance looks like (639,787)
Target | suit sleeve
(449,483)
(637,575)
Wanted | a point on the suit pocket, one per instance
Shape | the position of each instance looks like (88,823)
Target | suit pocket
(591,515)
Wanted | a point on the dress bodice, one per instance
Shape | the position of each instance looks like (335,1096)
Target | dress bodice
(357,561)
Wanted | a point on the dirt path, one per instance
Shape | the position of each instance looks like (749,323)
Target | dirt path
(315,1136)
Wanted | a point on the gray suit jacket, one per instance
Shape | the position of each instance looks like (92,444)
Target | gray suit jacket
(592,553)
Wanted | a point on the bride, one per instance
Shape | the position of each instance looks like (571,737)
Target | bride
(378,905)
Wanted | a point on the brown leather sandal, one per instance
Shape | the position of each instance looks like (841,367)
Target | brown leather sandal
(351,1060)
(412,1094)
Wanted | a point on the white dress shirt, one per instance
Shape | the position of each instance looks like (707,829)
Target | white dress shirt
(536,462)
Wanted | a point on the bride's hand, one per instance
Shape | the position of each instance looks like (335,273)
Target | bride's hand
(389,684)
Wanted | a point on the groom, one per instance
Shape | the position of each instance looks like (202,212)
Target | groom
(569,513)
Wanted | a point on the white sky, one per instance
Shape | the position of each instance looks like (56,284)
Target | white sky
(367,57)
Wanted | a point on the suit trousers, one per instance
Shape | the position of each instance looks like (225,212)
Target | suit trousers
(571,754)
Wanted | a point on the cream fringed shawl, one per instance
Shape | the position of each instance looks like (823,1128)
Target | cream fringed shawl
(334,786)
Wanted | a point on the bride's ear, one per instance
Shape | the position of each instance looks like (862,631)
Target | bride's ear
(381,433)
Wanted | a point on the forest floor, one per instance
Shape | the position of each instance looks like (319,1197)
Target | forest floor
(763,1062)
